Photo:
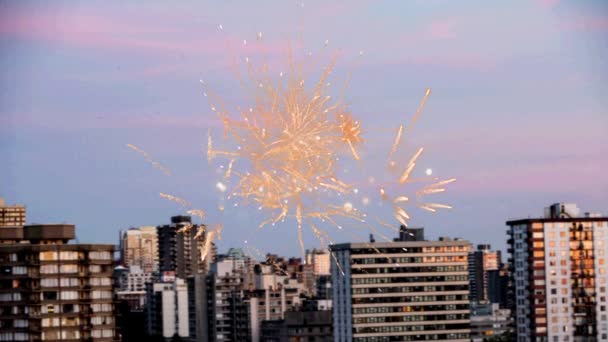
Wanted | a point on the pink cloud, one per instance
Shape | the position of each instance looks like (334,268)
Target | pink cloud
(94,31)
(586,23)
(439,30)
(549,3)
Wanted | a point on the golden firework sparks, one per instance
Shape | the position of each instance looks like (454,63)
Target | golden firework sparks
(398,202)
(149,159)
(290,138)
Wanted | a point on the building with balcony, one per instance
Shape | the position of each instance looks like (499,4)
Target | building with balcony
(51,290)
(401,291)
(560,275)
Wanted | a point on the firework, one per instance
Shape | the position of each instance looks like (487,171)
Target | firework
(149,159)
(398,202)
(290,138)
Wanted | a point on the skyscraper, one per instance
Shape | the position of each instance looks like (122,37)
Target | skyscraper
(139,247)
(559,274)
(319,259)
(481,263)
(51,290)
(178,248)
(401,291)
(167,309)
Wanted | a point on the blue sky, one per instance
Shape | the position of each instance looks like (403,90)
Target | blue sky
(518,114)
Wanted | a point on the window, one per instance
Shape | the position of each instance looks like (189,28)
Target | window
(49,295)
(48,269)
(68,255)
(70,268)
(69,295)
(49,282)
(19,270)
(48,256)
(101,255)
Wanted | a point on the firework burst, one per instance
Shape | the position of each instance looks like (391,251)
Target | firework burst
(289,141)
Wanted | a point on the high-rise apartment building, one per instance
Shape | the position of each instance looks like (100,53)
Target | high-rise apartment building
(319,260)
(401,291)
(179,247)
(167,309)
(139,247)
(51,290)
(560,275)
(481,263)
(11,215)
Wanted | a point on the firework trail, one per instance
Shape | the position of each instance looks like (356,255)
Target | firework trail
(149,159)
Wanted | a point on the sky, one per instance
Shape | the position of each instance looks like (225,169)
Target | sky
(518,111)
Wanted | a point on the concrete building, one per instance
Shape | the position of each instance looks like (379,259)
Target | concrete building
(139,247)
(319,259)
(11,215)
(401,291)
(489,320)
(226,312)
(179,247)
(560,276)
(51,290)
(133,279)
(299,326)
(481,263)
(167,309)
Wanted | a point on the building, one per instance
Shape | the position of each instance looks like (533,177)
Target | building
(167,309)
(11,215)
(323,284)
(489,320)
(133,279)
(179,247)
(299,326)
(319,259)
(225,310)
(139,247)
(401,291)
(500,287)
(481,263)
(51,290)
(559,275)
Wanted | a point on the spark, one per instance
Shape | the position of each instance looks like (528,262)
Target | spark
(397,141)
(221,186)
(399,201)
(176,199)
(427,93)
(149,159)
(290,138)
(197,212)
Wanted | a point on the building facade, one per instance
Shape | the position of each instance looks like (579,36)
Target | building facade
(482,262)
(488,320)
(167,309)
(51,290)
(401,291)
(319,260)
(11,215)
(179,247)
(299,326)
(559,275)
(139,247)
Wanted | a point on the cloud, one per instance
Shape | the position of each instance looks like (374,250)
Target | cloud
(116,33)
(585,23)
(548,3)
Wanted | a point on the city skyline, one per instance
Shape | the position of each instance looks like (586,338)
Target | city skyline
(517,113)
